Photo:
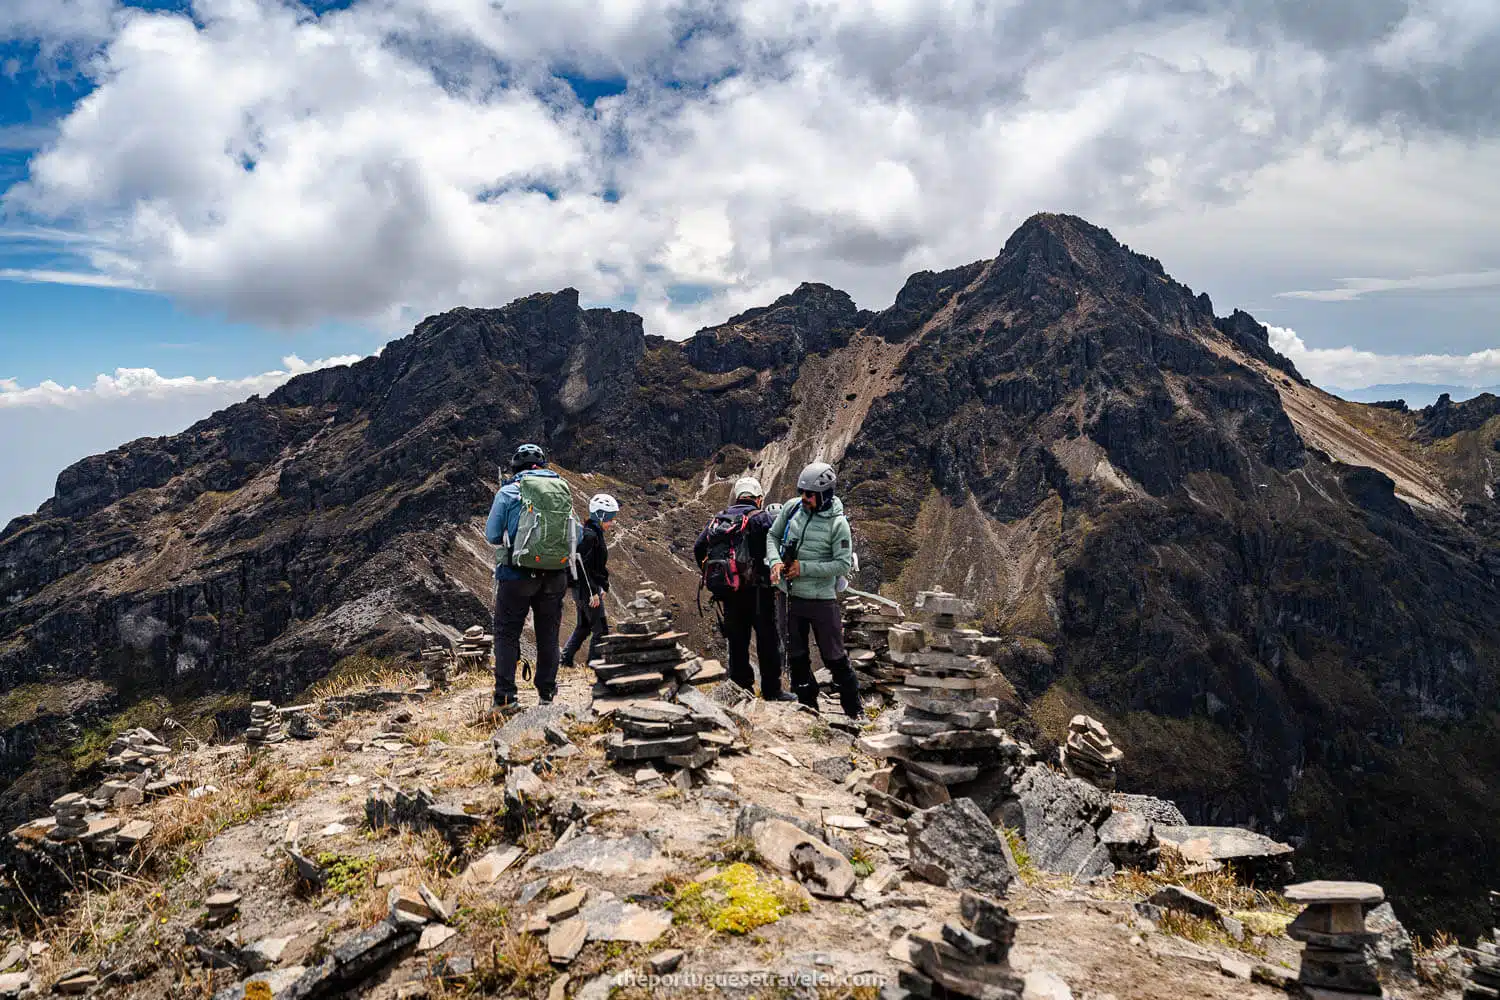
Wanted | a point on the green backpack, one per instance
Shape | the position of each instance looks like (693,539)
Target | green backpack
(547,531)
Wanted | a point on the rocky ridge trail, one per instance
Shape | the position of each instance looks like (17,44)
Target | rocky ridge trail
(408,849)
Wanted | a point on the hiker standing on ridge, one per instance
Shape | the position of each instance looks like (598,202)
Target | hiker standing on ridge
(808,549)
(531,523)
(731,552)
(591,577)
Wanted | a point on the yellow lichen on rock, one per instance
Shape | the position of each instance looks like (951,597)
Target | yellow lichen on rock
(738,900)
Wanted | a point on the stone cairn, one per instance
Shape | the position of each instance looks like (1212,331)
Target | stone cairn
(1338,960)
(437,664)
(640,670)
(71,814)
(476,647)
(947,733)
(1090,754)
(1483,980)
(867,628)
(137,765)
(970,959)
(265,725)
(643,657)
(221,908)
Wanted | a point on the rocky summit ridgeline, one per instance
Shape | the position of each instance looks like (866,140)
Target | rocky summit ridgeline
(1281,605)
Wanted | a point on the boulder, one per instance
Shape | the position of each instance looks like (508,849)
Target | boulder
(954,844)
(1059,817)
(1129,839)
(822,870)
(1149,807)
(1252,854)
(1393,949)
(1175,897)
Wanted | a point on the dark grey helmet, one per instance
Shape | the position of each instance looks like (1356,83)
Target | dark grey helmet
(819,476)
(526,456)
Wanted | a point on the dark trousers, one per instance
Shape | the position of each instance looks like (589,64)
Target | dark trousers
(541,595)
(592,625)
(747,611)
(824,620)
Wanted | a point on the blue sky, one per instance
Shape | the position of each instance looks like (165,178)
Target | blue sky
(197,201)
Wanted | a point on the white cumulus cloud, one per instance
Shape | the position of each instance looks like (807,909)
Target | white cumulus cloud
(146,383)
(398,157)
(1351,367)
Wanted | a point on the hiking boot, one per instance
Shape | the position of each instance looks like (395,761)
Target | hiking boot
(783,696)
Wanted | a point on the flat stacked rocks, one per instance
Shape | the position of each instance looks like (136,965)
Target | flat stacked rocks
(1090,754)
(265,725)
(660,732)
(947,732)
(476,646)
(643,658)
(1338,960)
(867,628)
(221,908)
(1483,980)
(137,760)
(969,959)
(71,815)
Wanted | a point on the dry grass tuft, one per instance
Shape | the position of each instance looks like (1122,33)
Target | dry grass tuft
(1431,969)
(182,822)
(123,920)
(1207,932)
(358,673)
(1221,888)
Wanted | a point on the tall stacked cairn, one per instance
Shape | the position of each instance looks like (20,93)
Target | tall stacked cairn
(1483,980)
(947,734)
(967,959)
(265,725)
(867,628)
(1090,754)
(643,658)
(1338,957)
(438,661)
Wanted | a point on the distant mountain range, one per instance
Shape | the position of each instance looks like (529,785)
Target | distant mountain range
(1416,394)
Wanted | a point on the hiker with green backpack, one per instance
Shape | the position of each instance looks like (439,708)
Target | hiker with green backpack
(535,534)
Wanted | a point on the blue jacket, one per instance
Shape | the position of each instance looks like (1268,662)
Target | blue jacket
(505,518)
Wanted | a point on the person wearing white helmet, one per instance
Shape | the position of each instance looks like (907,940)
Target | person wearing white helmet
(591,578)
(731,554)
(809,549)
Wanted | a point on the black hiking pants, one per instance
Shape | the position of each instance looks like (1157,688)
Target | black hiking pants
(824,620)
(540,595)
(747,611)
(592,625)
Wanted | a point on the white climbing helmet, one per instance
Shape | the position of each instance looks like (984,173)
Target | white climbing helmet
(748,486)
(773,509)
(603,506)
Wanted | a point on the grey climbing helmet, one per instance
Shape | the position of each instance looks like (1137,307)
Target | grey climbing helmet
(526,456)
(817,477)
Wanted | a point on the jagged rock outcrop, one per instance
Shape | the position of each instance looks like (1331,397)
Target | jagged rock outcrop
(1142,496)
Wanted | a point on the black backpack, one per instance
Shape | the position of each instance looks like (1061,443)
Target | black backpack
(728,567)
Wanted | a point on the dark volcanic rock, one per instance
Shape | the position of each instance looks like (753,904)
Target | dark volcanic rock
(954,844)
(1063,432)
